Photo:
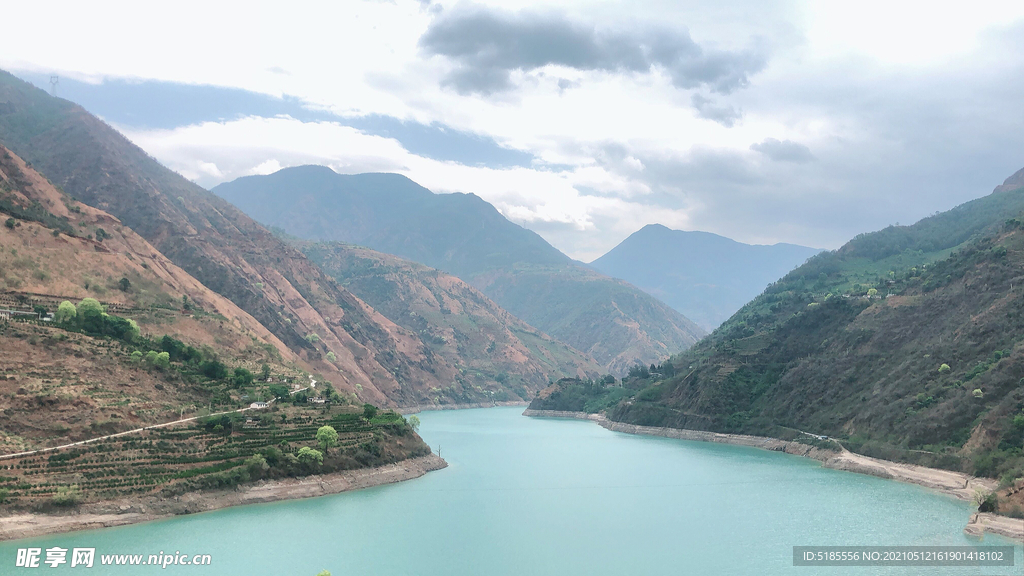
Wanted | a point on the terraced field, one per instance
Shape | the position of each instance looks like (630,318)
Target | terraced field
(212,453)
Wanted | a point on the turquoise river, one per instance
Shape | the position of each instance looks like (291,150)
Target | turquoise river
(529,496)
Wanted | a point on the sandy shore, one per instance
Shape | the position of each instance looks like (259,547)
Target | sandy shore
(406,410)
(954,484)
(146,508)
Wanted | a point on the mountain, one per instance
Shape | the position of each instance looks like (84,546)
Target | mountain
(463,235)
(65,385)
(459,323)
(704,276)
(350,344)
(904,344)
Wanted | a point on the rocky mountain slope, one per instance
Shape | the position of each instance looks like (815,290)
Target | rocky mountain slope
(457,321)
(704,276)
(222,248)
(609,319)
(59,384)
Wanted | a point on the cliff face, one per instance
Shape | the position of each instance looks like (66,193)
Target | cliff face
(222,248)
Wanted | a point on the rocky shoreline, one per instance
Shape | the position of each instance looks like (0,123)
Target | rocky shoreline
(955,484)
(134,510)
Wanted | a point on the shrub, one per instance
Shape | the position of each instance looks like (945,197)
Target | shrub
(162,361)
(989,503)
(4,493)
(331,357)
(11,223)
(214,370)
(978,393)
(67,496)
(369,411)
(242,377)
(308,455)
(944,368)
(312,337)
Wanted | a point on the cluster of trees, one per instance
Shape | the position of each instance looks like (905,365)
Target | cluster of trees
(90,317)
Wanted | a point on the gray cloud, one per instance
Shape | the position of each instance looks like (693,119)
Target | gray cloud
(488,45)
(706,108)
(783,150)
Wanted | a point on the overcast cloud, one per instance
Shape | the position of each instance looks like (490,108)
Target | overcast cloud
(765,122)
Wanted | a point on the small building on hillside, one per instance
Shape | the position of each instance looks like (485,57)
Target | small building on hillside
(259,405)
(316,400)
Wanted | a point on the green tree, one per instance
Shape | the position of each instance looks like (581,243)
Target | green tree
(90,315)
(331,357)
(872,291)
(414,422)
(11,223)
(308,455)
(242,377)
(327,438)
(136,357)
(124,284)
(279,391)
(66,313)
(369,411)
(150,358)
(162,361)
(943,368)
(265,372)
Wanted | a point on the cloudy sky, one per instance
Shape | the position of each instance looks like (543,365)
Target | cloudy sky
(765,122)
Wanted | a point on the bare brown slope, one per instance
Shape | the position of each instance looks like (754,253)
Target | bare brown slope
(58,386)
(493,349)
(75,267)
(221,247)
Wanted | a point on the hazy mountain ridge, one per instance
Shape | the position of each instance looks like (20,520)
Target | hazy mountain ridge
(703,276)
(614,322)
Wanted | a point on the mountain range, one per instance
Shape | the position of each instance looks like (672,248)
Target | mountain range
(607,318)
(704,276)
(308,314)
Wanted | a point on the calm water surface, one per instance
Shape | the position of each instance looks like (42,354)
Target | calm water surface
(525,496)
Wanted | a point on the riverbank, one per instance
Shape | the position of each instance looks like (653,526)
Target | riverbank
(955,484)
(405,411)
(134,510)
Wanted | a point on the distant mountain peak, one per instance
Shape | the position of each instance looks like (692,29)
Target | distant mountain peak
(704,276)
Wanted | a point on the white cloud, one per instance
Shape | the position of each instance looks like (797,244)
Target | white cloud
(920,98)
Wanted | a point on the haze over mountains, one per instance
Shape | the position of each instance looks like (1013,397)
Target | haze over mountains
(461,234)
(326,326)
(704,276)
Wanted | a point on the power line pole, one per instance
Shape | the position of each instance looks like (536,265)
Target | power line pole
(54,79)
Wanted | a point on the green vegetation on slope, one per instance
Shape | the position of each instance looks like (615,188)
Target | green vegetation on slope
(903,344)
